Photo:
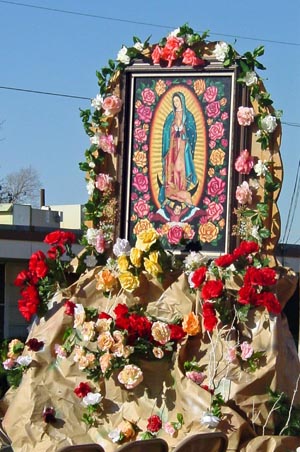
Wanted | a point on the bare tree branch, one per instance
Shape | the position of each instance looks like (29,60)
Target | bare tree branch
(22,186)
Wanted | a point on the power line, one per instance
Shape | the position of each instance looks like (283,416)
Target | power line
(116,19)
(44,92)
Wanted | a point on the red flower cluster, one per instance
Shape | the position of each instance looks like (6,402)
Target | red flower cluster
(244,250)
(39,269)
(82,390)
(154,424)
(59,241)
(209,316)
(174,48)
(212,289)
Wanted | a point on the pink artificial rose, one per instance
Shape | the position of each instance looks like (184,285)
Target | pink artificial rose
(213,109)
(245,116)
(9,363)
(196,377)
(216,131)
(169,428)
(144,113)
(189,57)
(156,55)
(103,181)
(210,94)
(148,96)
(244,163)
(170,51)
(140,182)
(175,234)
(141,208)
(100,243)
(140,135)
(112,105)
(243,193)
(216,186)
(214,211)
(106,143)
(247,350)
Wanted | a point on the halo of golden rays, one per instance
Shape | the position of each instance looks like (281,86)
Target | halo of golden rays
(163,108)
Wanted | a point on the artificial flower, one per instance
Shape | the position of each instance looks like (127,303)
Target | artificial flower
(82,389)
(121,246)
(154,423)
(244,163)
(97,102)
(130,376)
(191,324)
(247,350)
(122,55)
(161,332)
(250,78)
(92,398)
(34,344)
(220,51)
(245,116)
(209,420)
(49,414)
(195,376)
(243,193)
(269,123)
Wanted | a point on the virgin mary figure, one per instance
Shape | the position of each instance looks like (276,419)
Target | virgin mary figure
(179,137)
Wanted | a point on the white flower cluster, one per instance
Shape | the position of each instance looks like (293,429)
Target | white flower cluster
(220,51)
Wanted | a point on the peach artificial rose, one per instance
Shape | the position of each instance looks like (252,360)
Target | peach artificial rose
(105,280)
(191,324)
(161,332)
(88,331)
(131,376)
(127,430)
(103,325)
(111,105)
(208,232)
(105,361)
(15,348)
(105,341)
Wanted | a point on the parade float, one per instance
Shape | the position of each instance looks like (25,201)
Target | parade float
(174,324)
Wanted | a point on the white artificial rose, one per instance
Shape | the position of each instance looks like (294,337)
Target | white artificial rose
(122,56)
(91,236)
(95,139)
(260,168)
(175,32)
(220,51)
(92,165)
(268,123)
(122,246)
(90,261)
(209,420)
(90,186)
(97,102)
(24,360)
(92,398)
(251,78)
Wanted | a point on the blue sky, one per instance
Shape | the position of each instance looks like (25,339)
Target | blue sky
(49,51)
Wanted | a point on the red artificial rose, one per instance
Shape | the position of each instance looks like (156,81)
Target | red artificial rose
(247,295)
(246,248)
(260,276)
(60,238)
(34,344)
(212,289)
(22,278)
(56,251)
(269,301)
(209,316)
(68,237)
(53,238)
(69,307)
(121,310)
(35,260)
(207,389)
(82,390)
(139,326)
(225,261)
(176,332)
(189,57)
(198,277)
(154,423)
(29,302)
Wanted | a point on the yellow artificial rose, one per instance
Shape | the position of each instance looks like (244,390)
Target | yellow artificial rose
(199,86)
(128,281)
(123,263)
(140,158)
(105,280)
(142,225)
(146,239)
(217,157)
(151,265)
(191,324)
(136,257)
(208,232)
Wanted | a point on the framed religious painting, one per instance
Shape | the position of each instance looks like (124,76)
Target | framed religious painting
(179,141)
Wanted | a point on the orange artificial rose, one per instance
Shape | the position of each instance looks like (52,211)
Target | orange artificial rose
(191,324)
